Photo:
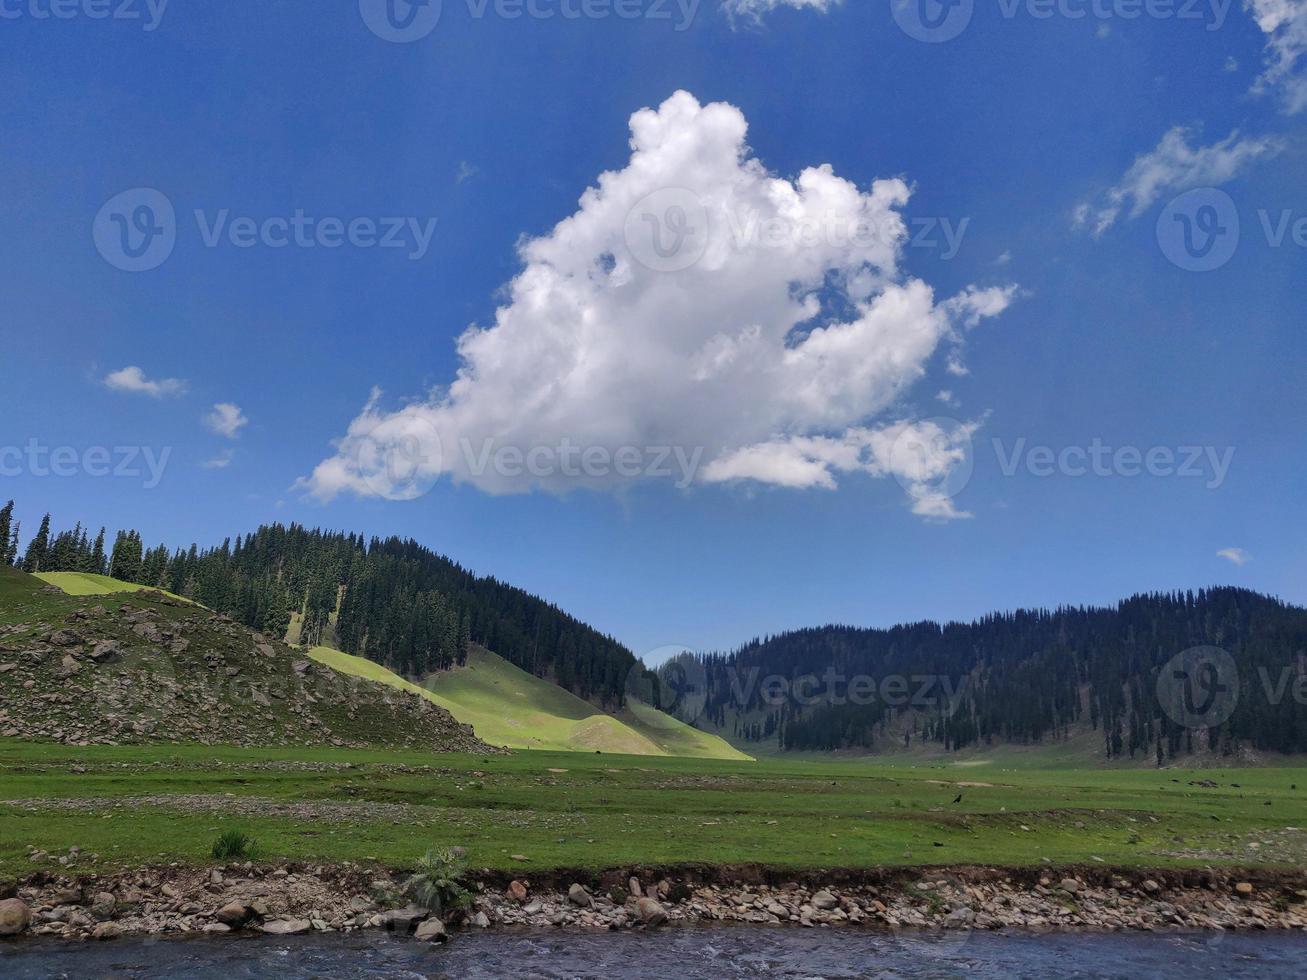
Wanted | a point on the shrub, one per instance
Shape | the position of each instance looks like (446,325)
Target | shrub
(435,885)
(233,844)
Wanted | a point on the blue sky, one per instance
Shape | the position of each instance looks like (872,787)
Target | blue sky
(1048,148)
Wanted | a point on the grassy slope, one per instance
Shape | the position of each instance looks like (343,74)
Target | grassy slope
(582,810)
(84,583)
(504,704)
(508,706)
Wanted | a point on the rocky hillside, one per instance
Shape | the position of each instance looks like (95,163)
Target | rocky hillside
(144,667)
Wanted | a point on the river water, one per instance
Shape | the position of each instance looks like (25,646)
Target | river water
(672,954)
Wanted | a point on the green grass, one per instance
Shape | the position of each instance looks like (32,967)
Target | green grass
(507,706)
(84,583)
(675,737)
(563,810)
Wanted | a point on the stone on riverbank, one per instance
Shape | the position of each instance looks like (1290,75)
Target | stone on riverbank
(652,914)
(287,927)
(15,917)
(431,931)
(234,914)
(825,901)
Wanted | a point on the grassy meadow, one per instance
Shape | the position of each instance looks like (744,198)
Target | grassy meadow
(535,810)
(538,808)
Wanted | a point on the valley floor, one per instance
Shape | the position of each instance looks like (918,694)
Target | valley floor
(769,841)
(535,811)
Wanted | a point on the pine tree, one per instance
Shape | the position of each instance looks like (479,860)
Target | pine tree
(6,529)
(97,554)
(35,559)
(125,564)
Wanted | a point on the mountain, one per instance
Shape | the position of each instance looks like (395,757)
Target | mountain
(140,666)
(385,600)
(1026,678)
(392,601)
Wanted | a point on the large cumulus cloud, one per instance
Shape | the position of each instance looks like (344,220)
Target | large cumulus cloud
(761,326)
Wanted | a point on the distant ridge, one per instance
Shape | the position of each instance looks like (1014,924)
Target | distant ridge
(1024,678)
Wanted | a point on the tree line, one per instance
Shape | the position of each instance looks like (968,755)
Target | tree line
(1024,677)
(390,600)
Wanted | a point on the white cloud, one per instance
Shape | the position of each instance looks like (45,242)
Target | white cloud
(778,359)
(1284,22)
(132,379)
(219,462)
(1236,556)
(920,455)
(1172,166)
(756,10)
(226,419)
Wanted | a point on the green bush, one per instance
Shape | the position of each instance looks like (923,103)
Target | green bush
(232,844)
(436,885)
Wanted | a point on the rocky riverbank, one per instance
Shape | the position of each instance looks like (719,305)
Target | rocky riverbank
(299,898)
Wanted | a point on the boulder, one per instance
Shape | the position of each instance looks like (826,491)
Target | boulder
(107,930)
(104,905)
(652,914)
(431,931)
(15,916)
(403,920)
(1243,889)
(287,927)
(66,896)
(480,921)
(1070,885)
(516,892)
(104,650)
(233,914)
(67,667)
(825,901)
(579,897)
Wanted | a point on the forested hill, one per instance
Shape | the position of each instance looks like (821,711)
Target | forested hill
(1022,677)
(394,601)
